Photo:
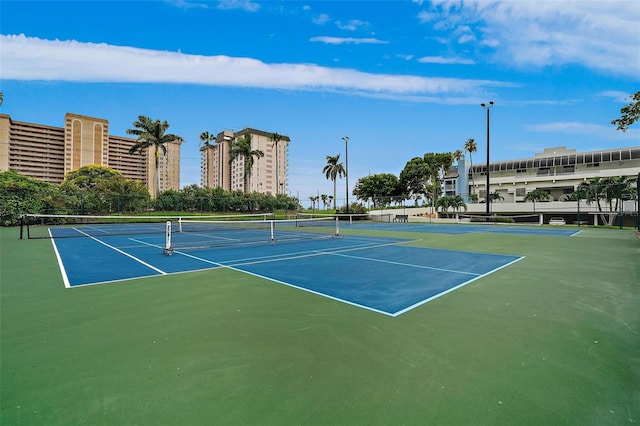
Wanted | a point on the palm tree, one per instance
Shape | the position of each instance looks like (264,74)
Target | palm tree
(241,147)
(206,138)
(324,198)
(313,199)
(275,137)
(457,202)
(1,98)
(537,195)
(470,146)
(333,170)
(151,133)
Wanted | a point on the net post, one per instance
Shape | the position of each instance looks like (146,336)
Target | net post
(21,225)
(337,227)
(167,246)
(272,224)
(541,220)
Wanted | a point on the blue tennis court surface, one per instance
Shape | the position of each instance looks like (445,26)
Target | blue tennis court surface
(380,274)
(466,228)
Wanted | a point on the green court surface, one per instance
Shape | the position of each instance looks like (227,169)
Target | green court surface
(553,339)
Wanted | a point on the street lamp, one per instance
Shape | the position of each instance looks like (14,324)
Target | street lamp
(488,200)
(346,162)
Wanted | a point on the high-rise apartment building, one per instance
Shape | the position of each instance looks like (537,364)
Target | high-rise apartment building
(48,153)
(269,174)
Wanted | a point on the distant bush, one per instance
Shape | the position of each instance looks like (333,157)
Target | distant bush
(20,194)
(354,208)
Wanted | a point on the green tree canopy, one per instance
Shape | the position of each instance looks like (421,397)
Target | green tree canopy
(379,188)
(90,176)
(99,189)
(439,164)
(23,195)
(414,178)
(630,113)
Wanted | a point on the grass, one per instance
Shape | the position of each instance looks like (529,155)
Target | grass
(552,339)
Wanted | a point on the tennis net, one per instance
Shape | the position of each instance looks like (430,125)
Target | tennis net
(348,218)
(188,234)
(524,219)
(33,226)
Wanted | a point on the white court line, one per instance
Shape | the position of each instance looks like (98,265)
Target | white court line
(422,302)
(404,264)
(65,278)
(123,252)
(95,228)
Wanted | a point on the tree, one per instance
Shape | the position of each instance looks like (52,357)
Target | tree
(324,198)
(275,137)
(613,190)
(495,196)
(457,202)
(414,178)
(90,176)
(99,189)
(206,138)
(471,147)
(313,199)
(380,188)
(1,98)
(151,133)
(630,113)
(241,147)
(334,170)
(454,201)
(438,165)
(21,194)
(536,195)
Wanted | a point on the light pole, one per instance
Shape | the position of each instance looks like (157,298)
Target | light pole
(488,199)
(346,162)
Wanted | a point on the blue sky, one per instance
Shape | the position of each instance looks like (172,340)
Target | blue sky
(399,78)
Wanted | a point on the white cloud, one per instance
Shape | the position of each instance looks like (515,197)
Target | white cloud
(443,60)
(577,128)
(352,25)
(425,17)
(246,5)
(618,95)
(347,40)
(28,58)
(599,35)
(321,19)
(185,4)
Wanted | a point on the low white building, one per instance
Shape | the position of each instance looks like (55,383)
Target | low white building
(556,171)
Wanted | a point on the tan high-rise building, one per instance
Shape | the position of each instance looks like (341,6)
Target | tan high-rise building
(269,174)
(48,153)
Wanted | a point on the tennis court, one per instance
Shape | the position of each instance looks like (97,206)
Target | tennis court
(542,329)
(375,273)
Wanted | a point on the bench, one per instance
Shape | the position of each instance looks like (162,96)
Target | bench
(401,218)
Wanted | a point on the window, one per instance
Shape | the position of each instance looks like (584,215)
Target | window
(520,192)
